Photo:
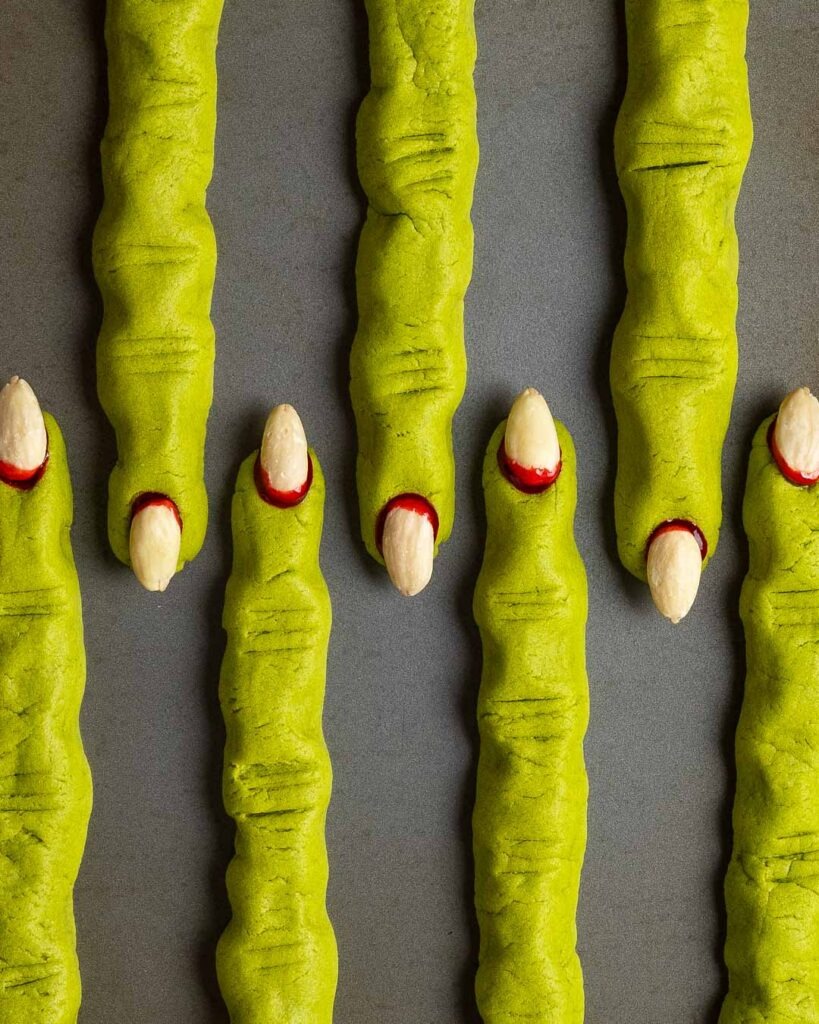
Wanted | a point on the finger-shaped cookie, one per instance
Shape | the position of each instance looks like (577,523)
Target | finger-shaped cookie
(417,159)
(529,823)
(45,785)
(681,144)
(277,960)
(155,260)
(772,886)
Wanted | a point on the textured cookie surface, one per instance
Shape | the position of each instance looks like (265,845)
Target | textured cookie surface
(45,785)
(681,144)
(277,960)
(529,823)
(155,256)
(772,886)
(417,159)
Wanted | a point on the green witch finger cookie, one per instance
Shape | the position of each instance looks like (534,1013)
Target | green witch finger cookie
(417,159)
(681,144)
(277,961)
(155,259)
(45,785)
(772,887)
(529,823)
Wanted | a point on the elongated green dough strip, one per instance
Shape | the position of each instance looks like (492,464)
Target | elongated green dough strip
(772,886)
(155,257)
(417,159)
(45,784)
(681,145)
(530,813)
(277,960)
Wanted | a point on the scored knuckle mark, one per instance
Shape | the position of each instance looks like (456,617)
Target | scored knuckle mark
(541,605)
(269,630)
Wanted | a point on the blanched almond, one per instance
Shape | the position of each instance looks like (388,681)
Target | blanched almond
(23,438)
(156,538)
(283,472)
(674,568)
(408,545)
(796,437)
(530,455)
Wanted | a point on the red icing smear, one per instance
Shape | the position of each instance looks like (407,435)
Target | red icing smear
(22,479)
(281,499)
(791,474)
(413,503)
(527,479)
(680,524)
(143,501)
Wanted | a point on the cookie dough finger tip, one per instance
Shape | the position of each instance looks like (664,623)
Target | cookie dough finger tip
(23,435)
(47,786)
(155,541)
(407,542)
(530,455)
(674,567)
(277,615)
(408,361)
(529,819)
(794,437)
(680,169)
(154,255)
(769,894)
(284,469)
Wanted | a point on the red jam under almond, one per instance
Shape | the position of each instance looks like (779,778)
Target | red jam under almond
(680,524)
(275,497)
(794,475)
(527,479)
(22,479)
(412,503)
(143,501)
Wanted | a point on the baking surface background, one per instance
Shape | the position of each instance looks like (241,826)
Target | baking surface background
(403,675)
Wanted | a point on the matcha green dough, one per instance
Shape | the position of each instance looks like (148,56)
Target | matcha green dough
(772,887)
(277,960)
(155,256)
(529,824)
(45,785)
(417,159)
(681,145)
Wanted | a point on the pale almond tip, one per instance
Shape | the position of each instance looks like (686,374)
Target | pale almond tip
(154,546)
(796,435)
(408,546)
(153,586)
(671,610)
(674,568)
(23,436)
(284,457)
(530,438)
(408,589)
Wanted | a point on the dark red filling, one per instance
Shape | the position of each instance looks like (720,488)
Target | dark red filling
(142,501)
(22,479)
(411,502)
(277,498)
(795,477)
(527,479)
(680,524)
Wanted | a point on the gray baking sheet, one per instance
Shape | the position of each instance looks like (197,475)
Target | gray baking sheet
(546,293)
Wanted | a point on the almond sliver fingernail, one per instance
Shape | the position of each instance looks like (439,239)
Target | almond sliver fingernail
(23,437)
(673,568)
(408,546)
(531,450)
(284,462)
(156,538)
(795,437)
